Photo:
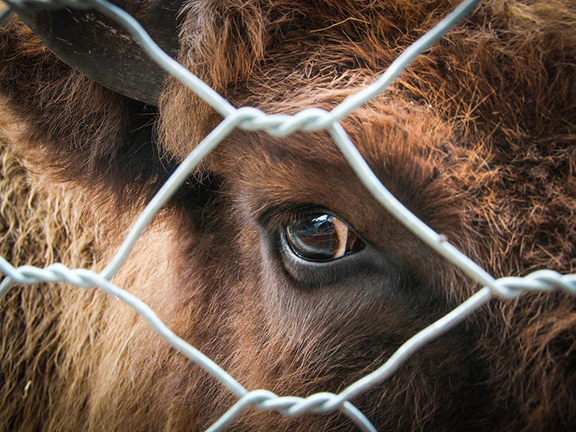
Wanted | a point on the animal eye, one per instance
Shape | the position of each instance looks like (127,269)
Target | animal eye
(322,237)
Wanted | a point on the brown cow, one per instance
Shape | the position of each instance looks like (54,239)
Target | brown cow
(477,138)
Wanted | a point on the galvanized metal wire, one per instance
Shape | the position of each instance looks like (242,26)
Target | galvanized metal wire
(282,125)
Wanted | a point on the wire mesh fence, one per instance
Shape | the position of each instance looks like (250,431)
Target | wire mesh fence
(252,119)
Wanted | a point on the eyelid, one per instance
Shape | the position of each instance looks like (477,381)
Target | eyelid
(281,215)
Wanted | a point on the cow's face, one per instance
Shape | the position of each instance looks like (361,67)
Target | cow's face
(273,258)
(312,284)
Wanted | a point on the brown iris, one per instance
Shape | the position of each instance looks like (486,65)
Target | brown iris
(322,237)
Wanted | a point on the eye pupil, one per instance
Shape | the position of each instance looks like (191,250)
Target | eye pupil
(321,238)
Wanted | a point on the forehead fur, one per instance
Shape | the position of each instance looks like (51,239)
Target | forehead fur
(405,148)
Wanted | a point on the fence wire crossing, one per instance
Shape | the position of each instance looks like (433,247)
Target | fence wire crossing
(248,118)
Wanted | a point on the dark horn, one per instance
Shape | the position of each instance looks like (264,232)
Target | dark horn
(101,49)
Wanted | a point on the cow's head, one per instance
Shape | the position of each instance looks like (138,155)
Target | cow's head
(274,259)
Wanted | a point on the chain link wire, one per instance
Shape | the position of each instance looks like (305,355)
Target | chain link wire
(248,118)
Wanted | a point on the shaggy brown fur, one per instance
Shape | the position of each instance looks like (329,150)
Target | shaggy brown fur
(477,139)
